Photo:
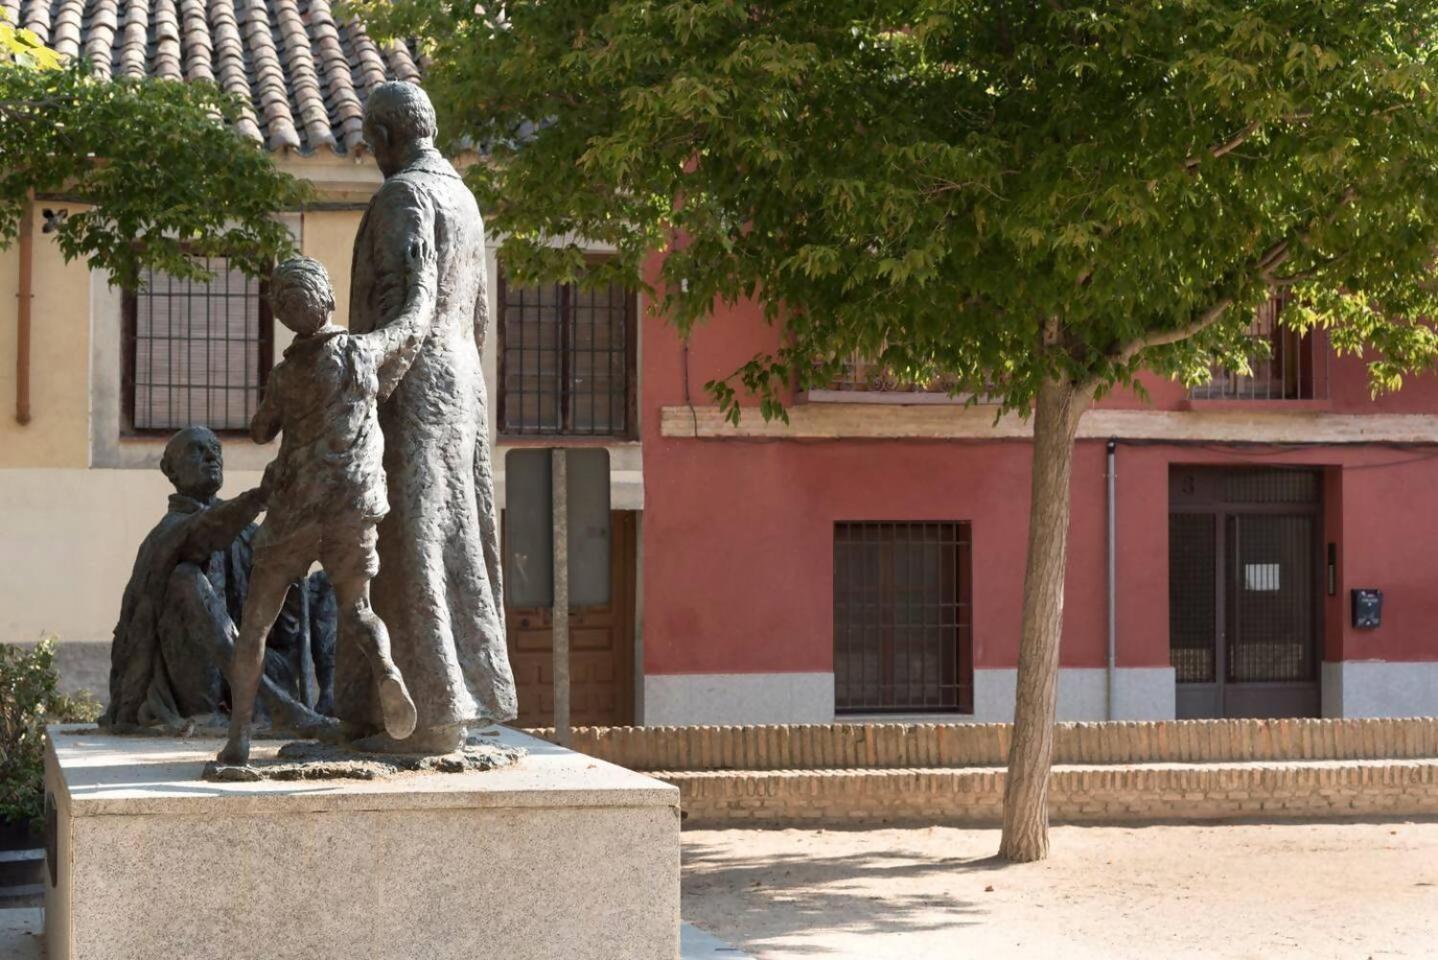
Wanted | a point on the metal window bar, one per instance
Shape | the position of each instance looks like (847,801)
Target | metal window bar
(902,618)
(1291,371)
(195,352)
(566,360)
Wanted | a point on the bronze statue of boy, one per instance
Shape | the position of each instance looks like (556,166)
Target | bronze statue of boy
(326,489)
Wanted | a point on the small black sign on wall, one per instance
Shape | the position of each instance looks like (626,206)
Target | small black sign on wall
(1367,608)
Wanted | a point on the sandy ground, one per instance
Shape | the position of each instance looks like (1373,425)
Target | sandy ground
(1261,891)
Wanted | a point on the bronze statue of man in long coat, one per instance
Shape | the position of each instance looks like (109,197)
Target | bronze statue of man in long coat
(438,588)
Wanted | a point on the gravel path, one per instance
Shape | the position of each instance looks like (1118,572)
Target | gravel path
(1260,891)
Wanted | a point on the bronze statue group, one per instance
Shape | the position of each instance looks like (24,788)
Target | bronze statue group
(383,477)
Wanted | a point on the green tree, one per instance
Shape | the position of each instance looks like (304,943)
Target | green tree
(1035,201)
(157,165)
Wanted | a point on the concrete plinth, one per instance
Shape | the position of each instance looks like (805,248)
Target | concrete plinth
(559,856)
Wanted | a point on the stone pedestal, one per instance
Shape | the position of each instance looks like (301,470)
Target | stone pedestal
(560,857)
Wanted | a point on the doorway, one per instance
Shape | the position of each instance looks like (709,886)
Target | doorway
(602,572)
(1245,590)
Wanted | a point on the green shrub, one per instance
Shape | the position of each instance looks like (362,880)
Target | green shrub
(30,698)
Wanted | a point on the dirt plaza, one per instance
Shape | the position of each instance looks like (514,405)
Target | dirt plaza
(1242,891)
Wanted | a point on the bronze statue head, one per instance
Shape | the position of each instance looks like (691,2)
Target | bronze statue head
(194,463)
(301,295)
(399,123)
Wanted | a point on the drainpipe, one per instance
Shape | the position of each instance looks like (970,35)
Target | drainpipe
(24,296)
(1112,570)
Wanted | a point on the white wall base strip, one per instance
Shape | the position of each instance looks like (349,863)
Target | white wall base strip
(1375,688)
(1140,693)
(738,698)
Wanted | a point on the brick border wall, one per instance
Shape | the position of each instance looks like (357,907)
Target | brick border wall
(867,746)
(1076,794)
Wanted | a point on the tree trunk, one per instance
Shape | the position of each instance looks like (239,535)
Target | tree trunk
(1026,788)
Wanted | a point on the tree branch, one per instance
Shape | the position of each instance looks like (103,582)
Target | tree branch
(1289,279)
(1266,267)
(1238,139)
(1226,147)
(1163,338)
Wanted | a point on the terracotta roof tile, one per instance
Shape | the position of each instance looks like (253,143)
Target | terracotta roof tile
(166,63)
(98,39)
(230,58)
(196,44)
(134,39)
(345,110)
(65,31)
(304,73)
(35,15)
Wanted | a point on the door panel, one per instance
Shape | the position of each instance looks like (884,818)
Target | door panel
(1272,653)
(1193,612)
(1270,599)
(601,645)
(1245,591)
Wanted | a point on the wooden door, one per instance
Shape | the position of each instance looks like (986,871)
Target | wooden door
(601,647)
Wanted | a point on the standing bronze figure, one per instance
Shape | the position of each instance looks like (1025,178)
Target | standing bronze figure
(438,589)
(326,489)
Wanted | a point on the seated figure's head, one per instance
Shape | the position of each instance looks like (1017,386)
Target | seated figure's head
(194,464)
(301,295)
(398,119)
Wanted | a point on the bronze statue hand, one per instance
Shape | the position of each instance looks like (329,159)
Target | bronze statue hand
(420,262)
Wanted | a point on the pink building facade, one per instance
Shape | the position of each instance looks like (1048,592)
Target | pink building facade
(867,560)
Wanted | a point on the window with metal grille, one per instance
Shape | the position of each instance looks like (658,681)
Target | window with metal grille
(566,364)
(1295,367)
(866,375)
(195,352)
(863,379)
(902,618)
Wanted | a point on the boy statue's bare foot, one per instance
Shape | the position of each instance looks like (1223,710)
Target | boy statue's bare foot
(396,705)
(236,752)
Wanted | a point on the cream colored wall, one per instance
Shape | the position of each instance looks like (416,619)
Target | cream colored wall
(67,541)
(69,532)
(76,499)
(329,237)
(58,433)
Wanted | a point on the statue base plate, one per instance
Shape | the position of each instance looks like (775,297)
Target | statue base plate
(556,856)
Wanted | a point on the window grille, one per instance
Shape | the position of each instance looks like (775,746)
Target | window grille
(566,360)
(1295,368)
(195,352)
(902,618)
(863,374)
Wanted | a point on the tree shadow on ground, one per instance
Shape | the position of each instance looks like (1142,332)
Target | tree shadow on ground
(782,895)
